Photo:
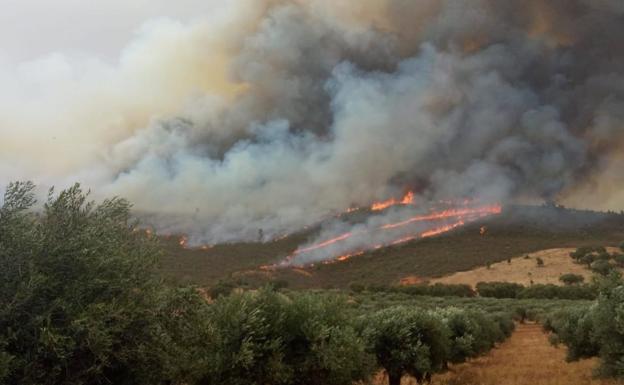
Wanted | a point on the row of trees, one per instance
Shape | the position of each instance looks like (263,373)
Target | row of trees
(594,330)
(573,290)
(81,303)
(538,291)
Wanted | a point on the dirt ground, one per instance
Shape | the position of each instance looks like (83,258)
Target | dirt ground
(523,270)
(526,358)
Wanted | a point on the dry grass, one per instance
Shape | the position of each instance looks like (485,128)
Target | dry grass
(526,358)
(524,270)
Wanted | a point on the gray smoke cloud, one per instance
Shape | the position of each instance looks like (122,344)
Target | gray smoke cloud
(277,114)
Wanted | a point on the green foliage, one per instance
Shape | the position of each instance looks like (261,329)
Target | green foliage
(439,290)
(618,258)
(472,332)
(602,267)
(622,246)
(266,338)
(550,291)
(408,341)
(79,301)
(574,328)
(499,289)
(608,322)
(571,279)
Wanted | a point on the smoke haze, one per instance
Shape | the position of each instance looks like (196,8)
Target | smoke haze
(276,114)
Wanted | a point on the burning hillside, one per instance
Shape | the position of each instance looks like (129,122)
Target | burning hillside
(399,225)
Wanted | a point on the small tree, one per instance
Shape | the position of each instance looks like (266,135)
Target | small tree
(408,341)
(571,279)
(80,301)
(601,267)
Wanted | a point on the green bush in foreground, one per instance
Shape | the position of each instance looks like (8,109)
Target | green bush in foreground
(77,293)
(408,341)
(266,338)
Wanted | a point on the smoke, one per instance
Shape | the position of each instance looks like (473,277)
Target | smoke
(275,114)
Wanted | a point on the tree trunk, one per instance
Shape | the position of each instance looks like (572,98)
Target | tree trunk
(394,378)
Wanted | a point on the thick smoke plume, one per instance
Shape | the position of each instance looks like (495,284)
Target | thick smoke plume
(275,114)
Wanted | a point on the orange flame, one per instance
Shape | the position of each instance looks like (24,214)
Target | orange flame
(324,244)
(487,210)
(463,215)
(442,230)
(408,199)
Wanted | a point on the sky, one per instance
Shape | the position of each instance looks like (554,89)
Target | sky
(30,29)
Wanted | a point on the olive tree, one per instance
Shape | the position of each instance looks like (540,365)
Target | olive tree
(79,299)
(266,338)
(408,341)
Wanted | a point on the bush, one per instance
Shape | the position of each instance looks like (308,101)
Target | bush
(79,299)
(539,261)
(550,291)
(571,279)
(619,259)
(601,267)
(609,328)
(472,333)
(499,289)
(408,341)
(574,328)
(265,338)
(438,290)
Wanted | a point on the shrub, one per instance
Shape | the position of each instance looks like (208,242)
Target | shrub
(571,279)
(499,289)
(550,291)
(408,341)
(265,338)
(601,267)
(619,259)
(79,298)
(609,327)
(574,328)
(539,261)
(471,332)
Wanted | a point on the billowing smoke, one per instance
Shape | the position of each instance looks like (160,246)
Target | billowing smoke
(273,115)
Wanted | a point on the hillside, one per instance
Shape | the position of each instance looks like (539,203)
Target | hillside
(524,270)
(517,231)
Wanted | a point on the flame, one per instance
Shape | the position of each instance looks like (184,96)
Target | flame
(462,215)
(183,242)
(408,199)
(487,210)
(482,230)
(324,244)
(442,230)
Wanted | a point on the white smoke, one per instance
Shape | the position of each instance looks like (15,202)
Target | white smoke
(275,114)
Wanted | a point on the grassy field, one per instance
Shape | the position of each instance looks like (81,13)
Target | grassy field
(517,231)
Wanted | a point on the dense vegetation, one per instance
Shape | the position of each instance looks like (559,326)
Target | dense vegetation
(82,302)
(595,329)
